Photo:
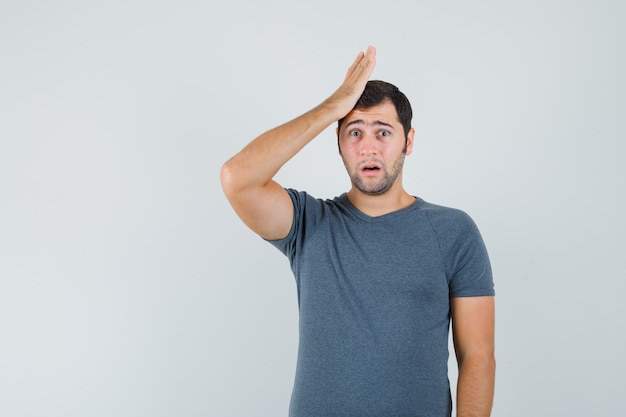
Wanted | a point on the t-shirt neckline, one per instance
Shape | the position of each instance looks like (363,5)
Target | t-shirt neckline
(344,200)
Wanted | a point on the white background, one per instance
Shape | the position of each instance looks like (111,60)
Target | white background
(129,288)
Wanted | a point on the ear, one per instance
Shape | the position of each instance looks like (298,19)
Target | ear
(409,141)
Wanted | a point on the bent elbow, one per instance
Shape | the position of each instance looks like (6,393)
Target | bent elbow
(231,182)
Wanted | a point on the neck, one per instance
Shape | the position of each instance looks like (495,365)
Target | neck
(377,205)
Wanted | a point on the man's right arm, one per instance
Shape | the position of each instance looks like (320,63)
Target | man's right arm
(261,203)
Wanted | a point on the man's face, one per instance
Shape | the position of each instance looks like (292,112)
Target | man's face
(372,146)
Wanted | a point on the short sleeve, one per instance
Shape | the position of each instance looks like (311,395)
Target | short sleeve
(467,264)
(306,214)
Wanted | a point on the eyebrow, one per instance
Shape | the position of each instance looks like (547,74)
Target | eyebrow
(375,123)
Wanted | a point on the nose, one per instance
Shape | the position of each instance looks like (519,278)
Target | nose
(368,144)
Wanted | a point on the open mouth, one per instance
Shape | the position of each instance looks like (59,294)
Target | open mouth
(370,169)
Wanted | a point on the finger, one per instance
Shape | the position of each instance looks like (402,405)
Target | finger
(365,66)
(357,61)
(369,60)
(370,57)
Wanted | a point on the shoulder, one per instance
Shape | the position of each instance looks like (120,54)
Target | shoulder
(302,200)
(467,262)
(446,218)
(310,211)
(453,227)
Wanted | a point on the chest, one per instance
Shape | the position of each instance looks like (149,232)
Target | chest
(389,260)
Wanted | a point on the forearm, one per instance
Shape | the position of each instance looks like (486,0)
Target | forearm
(261,159)
(476,386)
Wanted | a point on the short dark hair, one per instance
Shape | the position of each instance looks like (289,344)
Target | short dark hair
(377,92)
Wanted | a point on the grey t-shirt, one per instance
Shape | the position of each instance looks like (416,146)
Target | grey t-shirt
(374,305)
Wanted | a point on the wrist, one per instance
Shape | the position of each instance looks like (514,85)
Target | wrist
(336,108)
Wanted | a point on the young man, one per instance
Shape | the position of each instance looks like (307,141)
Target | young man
(380,273)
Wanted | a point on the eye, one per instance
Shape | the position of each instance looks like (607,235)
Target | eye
(354,133)
(384,133)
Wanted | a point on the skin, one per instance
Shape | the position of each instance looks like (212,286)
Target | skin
(473,334)
(374,138)
(369,138)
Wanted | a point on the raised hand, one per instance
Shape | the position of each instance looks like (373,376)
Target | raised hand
(346,96)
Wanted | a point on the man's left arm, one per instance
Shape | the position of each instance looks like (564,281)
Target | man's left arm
(473,321)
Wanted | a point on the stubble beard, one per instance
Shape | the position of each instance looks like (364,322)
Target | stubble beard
(383,184)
